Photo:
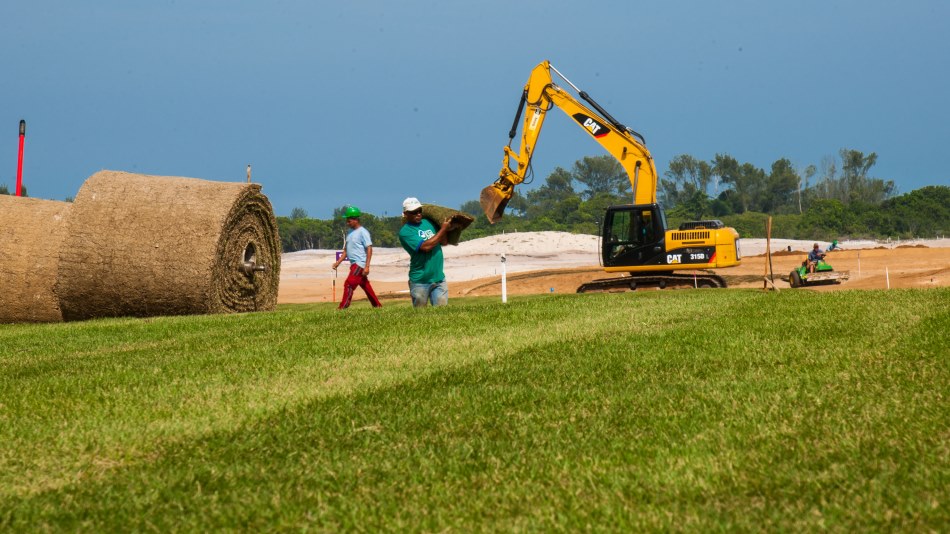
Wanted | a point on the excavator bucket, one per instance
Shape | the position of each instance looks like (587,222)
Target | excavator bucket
(493,201)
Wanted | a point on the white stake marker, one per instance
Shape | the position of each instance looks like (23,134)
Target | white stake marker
(504,282)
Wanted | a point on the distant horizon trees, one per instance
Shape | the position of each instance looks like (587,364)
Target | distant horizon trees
(839,198)
(5,190)
(781,190)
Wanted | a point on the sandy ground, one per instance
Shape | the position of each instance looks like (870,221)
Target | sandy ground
(558,262)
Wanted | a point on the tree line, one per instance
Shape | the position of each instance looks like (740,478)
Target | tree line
(5,190)
(837,199)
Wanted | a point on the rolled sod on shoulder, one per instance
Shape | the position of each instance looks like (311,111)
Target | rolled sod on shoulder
(31,233)
(437,214)
(140,245)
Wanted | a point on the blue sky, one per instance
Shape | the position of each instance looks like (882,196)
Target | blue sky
(367,102)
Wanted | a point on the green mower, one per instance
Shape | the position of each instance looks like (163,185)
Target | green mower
(824,274)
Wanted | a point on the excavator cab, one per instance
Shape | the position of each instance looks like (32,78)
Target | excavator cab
(633,234)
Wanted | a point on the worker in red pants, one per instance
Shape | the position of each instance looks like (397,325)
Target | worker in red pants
(359,251)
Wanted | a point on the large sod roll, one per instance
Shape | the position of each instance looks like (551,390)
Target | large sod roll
(141,246)
(31,232)
(438,214)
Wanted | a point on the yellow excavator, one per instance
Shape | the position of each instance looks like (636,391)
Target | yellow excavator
(635,239)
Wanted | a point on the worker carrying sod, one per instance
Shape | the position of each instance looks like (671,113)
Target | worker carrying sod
(358,249)
(423,241)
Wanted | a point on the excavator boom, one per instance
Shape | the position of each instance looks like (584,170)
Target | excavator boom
(540,95)
(635,240)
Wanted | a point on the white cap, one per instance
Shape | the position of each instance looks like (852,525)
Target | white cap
(411,204)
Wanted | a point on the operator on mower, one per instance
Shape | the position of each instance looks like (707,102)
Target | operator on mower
(814,256)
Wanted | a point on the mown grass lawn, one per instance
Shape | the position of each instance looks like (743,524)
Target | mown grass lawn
(679,410)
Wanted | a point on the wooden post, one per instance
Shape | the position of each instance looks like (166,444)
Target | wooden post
(248,173)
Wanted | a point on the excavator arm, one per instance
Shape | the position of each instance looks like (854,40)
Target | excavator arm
(635,239)
(540,95)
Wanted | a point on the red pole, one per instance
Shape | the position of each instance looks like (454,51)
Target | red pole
(19,163)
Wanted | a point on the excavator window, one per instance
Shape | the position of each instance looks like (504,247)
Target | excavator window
(646,231)
(621,227)
(619,233)
(630,229)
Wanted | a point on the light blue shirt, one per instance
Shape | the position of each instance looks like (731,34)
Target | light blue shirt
(356,243)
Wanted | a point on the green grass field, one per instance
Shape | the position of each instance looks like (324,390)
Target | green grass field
(680,410)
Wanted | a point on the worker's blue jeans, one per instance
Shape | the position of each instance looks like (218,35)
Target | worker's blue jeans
(437,294)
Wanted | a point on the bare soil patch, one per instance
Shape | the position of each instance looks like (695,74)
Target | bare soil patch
(543,264)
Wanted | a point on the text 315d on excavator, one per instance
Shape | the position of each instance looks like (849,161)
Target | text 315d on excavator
(635,239)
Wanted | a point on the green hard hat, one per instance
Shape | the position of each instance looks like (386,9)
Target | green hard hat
(351,211)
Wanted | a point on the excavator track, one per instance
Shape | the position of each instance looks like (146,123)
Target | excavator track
(657,281)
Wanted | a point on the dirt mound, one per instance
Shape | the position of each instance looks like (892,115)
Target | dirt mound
(783,253)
